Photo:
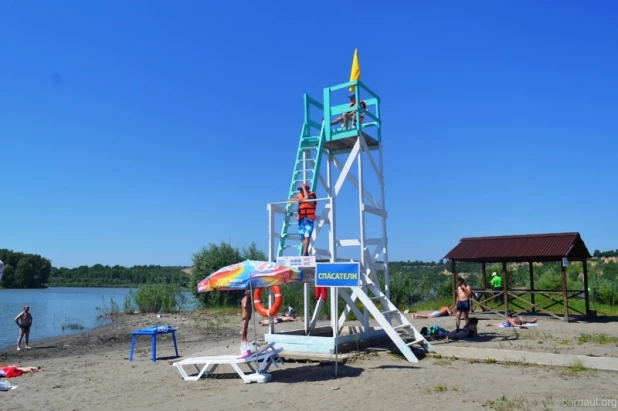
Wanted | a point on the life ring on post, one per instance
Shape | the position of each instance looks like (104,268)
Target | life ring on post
(268,312)
(321,293)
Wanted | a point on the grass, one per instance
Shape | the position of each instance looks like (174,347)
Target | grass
(72,327)
(598,338)
(438,389)
(156,298)
(518,403)
(110,309)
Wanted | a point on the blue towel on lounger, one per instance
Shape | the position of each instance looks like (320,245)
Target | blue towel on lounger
(157,328)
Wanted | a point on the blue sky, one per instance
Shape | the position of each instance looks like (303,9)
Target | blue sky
(136,132)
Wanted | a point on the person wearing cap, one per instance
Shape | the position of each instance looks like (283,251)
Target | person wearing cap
(306,215)
(349,118)
(496,285)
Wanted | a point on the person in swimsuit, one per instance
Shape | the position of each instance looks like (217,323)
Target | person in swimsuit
(12,371)
(464,293)
(469,330)
(442,312)
(24,322)
(247,310)
(514,323)
(279,320)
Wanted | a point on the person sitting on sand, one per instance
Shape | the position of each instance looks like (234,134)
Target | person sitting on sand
(278,320)
(514,323)
(442,312)
(12,371)
(469,330)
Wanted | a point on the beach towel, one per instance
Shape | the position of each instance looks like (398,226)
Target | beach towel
(11,372)
(157,328)
(507,325)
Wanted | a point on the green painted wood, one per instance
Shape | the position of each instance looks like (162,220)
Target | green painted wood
(311,142)
(315,133)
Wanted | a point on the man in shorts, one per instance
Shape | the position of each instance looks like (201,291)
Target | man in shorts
(306,215)
(24,322)
(464,293)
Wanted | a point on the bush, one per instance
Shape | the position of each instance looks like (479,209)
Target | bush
(156,298)
(212,258)
(604,291)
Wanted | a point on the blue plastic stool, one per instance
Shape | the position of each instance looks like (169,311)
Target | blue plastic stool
(153,332)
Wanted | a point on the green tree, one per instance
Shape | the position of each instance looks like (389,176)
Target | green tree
(214,257)
(252,253)
(207,261)
(8,278)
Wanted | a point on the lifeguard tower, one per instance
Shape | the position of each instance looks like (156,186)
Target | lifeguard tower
(326,159)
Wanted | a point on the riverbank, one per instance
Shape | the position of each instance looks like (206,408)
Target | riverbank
(91,371)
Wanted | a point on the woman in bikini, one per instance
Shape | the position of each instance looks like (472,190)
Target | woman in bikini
(514,323)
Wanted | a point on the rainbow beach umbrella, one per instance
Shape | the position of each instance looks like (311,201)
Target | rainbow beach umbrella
(249,275)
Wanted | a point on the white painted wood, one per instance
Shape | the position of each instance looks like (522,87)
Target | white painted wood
(370,251)
(374,210)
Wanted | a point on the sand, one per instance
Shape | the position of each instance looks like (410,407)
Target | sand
(91,371)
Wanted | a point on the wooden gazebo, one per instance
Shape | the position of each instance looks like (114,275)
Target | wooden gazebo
(558,247)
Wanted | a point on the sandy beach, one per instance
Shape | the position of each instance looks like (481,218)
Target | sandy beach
(91,371)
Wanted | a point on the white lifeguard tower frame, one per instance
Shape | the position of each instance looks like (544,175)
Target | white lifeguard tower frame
(342,149)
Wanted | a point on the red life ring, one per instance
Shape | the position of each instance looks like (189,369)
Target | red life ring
(257,301)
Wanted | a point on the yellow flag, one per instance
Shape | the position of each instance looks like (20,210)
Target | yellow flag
(355,73)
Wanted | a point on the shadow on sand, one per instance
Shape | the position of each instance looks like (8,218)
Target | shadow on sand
(305,373)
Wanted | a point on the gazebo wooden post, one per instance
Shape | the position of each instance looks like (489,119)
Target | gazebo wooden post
(454,282)
(505,289)
(564,291)
(586,293)
(483,278)
(531,268)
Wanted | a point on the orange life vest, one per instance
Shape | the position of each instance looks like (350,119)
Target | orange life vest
(307,209)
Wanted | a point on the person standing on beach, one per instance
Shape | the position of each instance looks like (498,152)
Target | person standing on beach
(464,292)
(247,309)
(24,322)
(496,285)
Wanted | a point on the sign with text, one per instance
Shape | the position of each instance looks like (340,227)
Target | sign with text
(337,274)
(296,261)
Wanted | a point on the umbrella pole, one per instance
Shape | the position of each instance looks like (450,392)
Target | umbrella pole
(255,339)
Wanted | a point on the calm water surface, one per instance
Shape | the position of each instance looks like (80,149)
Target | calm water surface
(53,308)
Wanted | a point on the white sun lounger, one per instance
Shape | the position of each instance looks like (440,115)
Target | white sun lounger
(265,356)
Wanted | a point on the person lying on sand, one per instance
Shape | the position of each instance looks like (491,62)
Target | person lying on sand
(468,331)
(514,323)
(12,371)
(442,312)
(277,320)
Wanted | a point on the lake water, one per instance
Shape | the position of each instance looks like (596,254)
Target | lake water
(53,308)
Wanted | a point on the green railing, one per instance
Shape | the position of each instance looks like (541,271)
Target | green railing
(362,92)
